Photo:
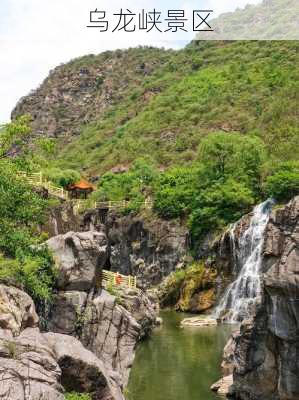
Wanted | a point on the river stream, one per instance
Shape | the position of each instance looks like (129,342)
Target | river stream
(178,363)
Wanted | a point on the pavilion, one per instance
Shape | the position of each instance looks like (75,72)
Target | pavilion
(80,189)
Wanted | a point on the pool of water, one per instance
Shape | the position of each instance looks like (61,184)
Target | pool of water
(178,363)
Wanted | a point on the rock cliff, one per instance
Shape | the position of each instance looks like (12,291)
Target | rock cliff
(148,249)
(263,354)
(79,92)
(36,365)
(108,325)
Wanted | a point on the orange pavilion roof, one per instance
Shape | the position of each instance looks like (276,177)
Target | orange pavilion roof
(83,185)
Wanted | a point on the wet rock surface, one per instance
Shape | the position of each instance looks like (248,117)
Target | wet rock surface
(263,354)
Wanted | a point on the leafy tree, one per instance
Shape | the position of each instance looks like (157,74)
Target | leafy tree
(233,155)
(284,183)
(14,133)
(21,259)
(175,193)
(47,146)
(219,205)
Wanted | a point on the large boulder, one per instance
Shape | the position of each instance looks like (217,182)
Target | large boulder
(28,368)
(41,366)
(110,326)
(80,257)
(17,310)
(82,370)
(111,333)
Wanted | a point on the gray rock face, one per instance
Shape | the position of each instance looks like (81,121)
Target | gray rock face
(110,330)
(111,333)
(17,310)
(40,366)
(67,312)
(79,257)
(264,354)
(82,370)
(109,326)
(224,251)
(144,307)
(28,369)
(61,220)
(149,250)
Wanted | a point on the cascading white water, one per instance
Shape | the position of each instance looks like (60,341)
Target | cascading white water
(243,294)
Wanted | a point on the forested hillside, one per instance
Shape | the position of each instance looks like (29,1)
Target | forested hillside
(113,108)
(205,132)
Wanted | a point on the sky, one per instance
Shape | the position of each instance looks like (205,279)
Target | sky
(38,35)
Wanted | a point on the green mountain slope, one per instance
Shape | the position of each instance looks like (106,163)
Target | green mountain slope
(242,87)
(162,103)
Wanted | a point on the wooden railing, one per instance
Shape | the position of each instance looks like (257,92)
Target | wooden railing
(106,205)
(37,179)
(115,279)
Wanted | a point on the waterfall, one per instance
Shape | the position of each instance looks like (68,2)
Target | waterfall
(243,294)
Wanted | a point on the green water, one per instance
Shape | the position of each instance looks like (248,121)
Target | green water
(178,363)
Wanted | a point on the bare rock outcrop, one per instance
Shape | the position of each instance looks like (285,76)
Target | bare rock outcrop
(263,354)
(17,310)
(28,368)
(108,325)
(79,92)
(41,366)
(79,257)
(148,249)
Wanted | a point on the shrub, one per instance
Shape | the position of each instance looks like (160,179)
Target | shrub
(33,272)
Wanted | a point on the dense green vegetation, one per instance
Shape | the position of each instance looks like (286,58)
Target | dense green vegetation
(22,261)
(284,182)
(204,133)
(242,87)
(231,174)
(212,139)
